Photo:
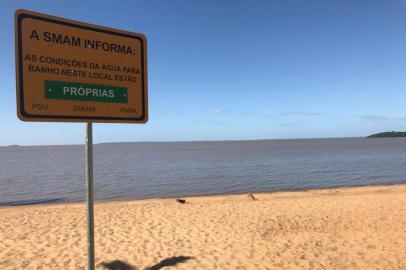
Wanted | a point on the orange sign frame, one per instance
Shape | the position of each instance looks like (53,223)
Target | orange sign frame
(69,71)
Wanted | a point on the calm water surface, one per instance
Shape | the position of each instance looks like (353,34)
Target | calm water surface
(123,171)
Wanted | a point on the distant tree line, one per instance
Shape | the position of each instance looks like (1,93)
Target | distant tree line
(388,134)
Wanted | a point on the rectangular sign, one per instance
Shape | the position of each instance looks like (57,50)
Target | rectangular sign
(85,92)
(77,72)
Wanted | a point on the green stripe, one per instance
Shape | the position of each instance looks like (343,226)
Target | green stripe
(85,92)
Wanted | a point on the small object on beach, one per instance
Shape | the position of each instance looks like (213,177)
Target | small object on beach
(251,196)
(181,201)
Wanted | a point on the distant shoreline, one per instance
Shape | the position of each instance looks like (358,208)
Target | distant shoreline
(213,141)
(192,141)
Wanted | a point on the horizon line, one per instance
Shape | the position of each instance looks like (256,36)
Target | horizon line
(186,141)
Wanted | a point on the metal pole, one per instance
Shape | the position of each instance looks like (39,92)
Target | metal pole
(89,196)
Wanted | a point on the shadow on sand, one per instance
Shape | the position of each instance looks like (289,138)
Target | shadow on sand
(171,261)
(117,265)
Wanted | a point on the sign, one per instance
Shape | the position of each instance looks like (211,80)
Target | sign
(77,72)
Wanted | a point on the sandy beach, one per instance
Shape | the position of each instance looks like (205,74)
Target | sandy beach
(345,228)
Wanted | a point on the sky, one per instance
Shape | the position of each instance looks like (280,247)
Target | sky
(239,70)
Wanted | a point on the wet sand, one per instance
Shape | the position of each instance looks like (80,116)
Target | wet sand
(344,228)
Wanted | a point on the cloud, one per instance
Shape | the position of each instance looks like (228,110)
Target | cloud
(288,124)
(165,112)
(294,113)
(218,111)
(381,119)
(329,117)
(299,113)
(177,111)
(219,124)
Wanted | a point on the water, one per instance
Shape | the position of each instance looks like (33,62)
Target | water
(41,174)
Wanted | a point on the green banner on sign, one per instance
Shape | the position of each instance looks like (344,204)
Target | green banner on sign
(85,92)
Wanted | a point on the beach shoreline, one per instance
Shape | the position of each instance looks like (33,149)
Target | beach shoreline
(336,228)
(63,202)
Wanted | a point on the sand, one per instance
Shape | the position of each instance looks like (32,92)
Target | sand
(346,228)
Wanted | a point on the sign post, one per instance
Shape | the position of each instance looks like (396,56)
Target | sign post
(69,71)
(89,196)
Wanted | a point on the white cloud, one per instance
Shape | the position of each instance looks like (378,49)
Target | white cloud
(218,111)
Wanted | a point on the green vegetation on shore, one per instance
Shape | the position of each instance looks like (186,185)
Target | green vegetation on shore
(389,134)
